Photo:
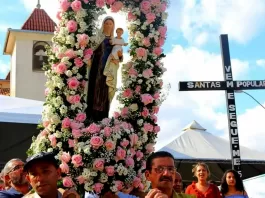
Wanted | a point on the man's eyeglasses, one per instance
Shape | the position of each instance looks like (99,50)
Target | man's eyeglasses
(17,167)
(161,169)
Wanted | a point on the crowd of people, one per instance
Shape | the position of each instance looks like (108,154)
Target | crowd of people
(38,177)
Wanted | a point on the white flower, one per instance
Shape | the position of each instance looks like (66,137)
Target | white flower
(68,73)
(133,107)
(140,81)
(140,122)
(58,134)
(103,178)
(59,145)
(87,150)
(50,150)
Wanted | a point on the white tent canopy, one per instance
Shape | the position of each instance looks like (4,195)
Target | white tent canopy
(20,110)
(196,143)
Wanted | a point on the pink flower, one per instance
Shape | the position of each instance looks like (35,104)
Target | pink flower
(132,72)
(68,182)
(73,83)
(109,2)
(93,128)
(64,4)
(65,157)
(64,167)
(110,170)
(80,179)
(127,93)
(162,31)
(88,51)
(147,73)
(134,139)
(82,40)
(150,148)
(161,42)
(154,118)
(97,187)
(86,1)
(146,42)
(116,6)
(71,143)
(120,154)
(106,121)
(73,99)
(124,143)
(138,89)
(99,164)
(116,115)
(59,15)
(157,51)
(150,17)
(156,96)
(144,164)
(131,16)
(78,62)
(145,112)
(53,140)
(44,133)
(76,133)
(129,162)
(61,68)
(77,160)
(100,3)
(139,155)
(107,131)
(119,185)
(46,123)
(124,111)
(162,7)
(156,129)
(132,151)
(148,127)
(96,142)
(110,145)
(146,99)
(71,26)
(70,53)
(155,109)
(136,182)
(155,2)
(75,125)
(76,5)
(145,7)
(81,117)
(141,52)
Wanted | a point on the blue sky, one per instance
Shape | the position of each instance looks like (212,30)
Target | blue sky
(193,53)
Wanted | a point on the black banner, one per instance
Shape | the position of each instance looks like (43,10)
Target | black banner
(221,85)
(231,106)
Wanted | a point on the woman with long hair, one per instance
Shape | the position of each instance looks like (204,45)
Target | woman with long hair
(202,188)
(232,185)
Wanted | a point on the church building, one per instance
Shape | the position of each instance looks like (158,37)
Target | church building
(26,46)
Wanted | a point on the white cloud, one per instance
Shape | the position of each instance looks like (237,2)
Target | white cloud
(120,18)
(3,27)
(261,62)
(180,108)
(241,19)
(4,69)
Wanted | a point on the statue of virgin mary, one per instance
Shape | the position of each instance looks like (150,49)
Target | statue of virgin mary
(102,74)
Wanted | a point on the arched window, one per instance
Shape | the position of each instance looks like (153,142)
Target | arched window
(39,56)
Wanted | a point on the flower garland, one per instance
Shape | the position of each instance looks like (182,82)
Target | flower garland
(111,154)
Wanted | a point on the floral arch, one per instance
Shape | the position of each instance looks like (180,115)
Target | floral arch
(111,154)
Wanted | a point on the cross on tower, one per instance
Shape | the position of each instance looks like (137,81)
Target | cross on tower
(38,5)
(229,86)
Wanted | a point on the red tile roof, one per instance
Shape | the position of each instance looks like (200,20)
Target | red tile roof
(39,20)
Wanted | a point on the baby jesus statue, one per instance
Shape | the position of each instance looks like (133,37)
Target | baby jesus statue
(118,42)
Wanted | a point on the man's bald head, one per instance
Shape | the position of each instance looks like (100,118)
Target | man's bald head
(178,183)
